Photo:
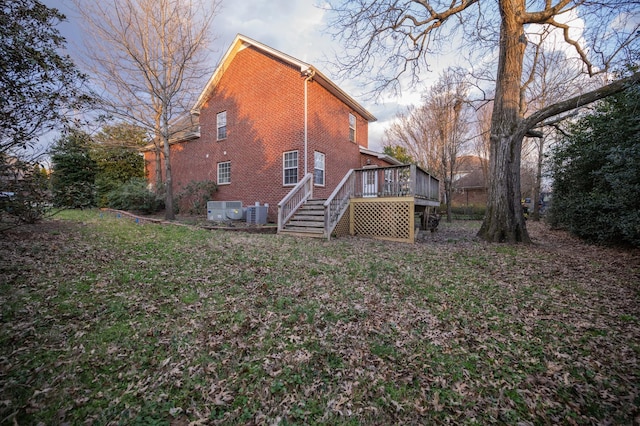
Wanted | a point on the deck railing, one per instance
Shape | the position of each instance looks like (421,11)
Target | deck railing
(294,199)
(396,181)
(393,181)
(338,202)
(426,186)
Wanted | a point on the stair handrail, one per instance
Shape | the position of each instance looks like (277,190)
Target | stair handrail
(298,195)
(338,202)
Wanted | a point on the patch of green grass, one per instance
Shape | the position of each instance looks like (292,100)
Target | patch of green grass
(107,321)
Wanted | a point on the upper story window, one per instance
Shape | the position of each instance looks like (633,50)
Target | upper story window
(352,127)
(221,124)
(290,168)
(224,173)
(318,168)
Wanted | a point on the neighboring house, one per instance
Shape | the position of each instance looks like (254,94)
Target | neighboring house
(469,184)
(265,120)
(11,170)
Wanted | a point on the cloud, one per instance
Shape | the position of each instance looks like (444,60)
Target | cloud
(291,27)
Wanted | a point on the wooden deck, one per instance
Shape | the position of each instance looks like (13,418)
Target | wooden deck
(380,202)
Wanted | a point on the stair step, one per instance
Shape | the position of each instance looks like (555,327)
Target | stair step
(314,208)
(315,202)
(312,217)
(307,212)
(306,223)
(304,230)
(302,234)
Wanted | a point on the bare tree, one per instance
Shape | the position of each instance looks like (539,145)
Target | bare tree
(444,115)
(148,58)
(403,33)
(481,142)
(408,130)
(434,132)
(551,74)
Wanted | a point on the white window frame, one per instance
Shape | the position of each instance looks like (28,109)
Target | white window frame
(352,127)
(221,125)
(226,173)
(319,167)
(287,165)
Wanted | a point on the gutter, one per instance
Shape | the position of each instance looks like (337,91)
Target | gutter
(309,73)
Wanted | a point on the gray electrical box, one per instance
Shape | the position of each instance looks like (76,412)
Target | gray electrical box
(222,211)
(257,214)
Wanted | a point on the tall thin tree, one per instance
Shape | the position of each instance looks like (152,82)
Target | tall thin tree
(148,58)
(445,116)
(434,132)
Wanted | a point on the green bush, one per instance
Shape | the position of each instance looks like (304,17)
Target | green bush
(74,172)
(75,195)
(134,196)
(471,212)
(104,187)
(27,199)
(596,171)
(193,198)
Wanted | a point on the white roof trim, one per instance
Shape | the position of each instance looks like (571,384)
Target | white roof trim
(380,155)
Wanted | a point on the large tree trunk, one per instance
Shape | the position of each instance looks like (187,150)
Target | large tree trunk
(504,220)
(158,146)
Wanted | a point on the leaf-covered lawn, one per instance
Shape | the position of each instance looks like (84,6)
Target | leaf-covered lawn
(105,321)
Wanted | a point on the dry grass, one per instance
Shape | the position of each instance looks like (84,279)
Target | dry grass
(105,321)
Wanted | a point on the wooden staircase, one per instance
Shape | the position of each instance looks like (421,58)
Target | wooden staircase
(308,221)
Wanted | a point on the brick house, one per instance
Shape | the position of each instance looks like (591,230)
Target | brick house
(469,184)
(263,122)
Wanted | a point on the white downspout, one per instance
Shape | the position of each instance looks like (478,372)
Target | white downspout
(309,73)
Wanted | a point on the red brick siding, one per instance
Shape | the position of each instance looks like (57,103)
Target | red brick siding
(470,197)
(329,133)
(264,100)
(370,160)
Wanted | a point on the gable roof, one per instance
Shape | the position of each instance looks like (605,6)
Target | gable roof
(389,159)
(242,42)
(469,174)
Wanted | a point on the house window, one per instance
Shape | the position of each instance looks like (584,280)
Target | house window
(221,124)
(290,168)
(352,127)
(318,168)
(224,173)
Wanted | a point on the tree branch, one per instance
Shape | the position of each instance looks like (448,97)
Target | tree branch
(580,100)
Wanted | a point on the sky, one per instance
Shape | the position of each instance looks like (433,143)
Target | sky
(294,27)
(298,28)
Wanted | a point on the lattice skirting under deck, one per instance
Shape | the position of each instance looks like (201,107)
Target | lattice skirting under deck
(388,219)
